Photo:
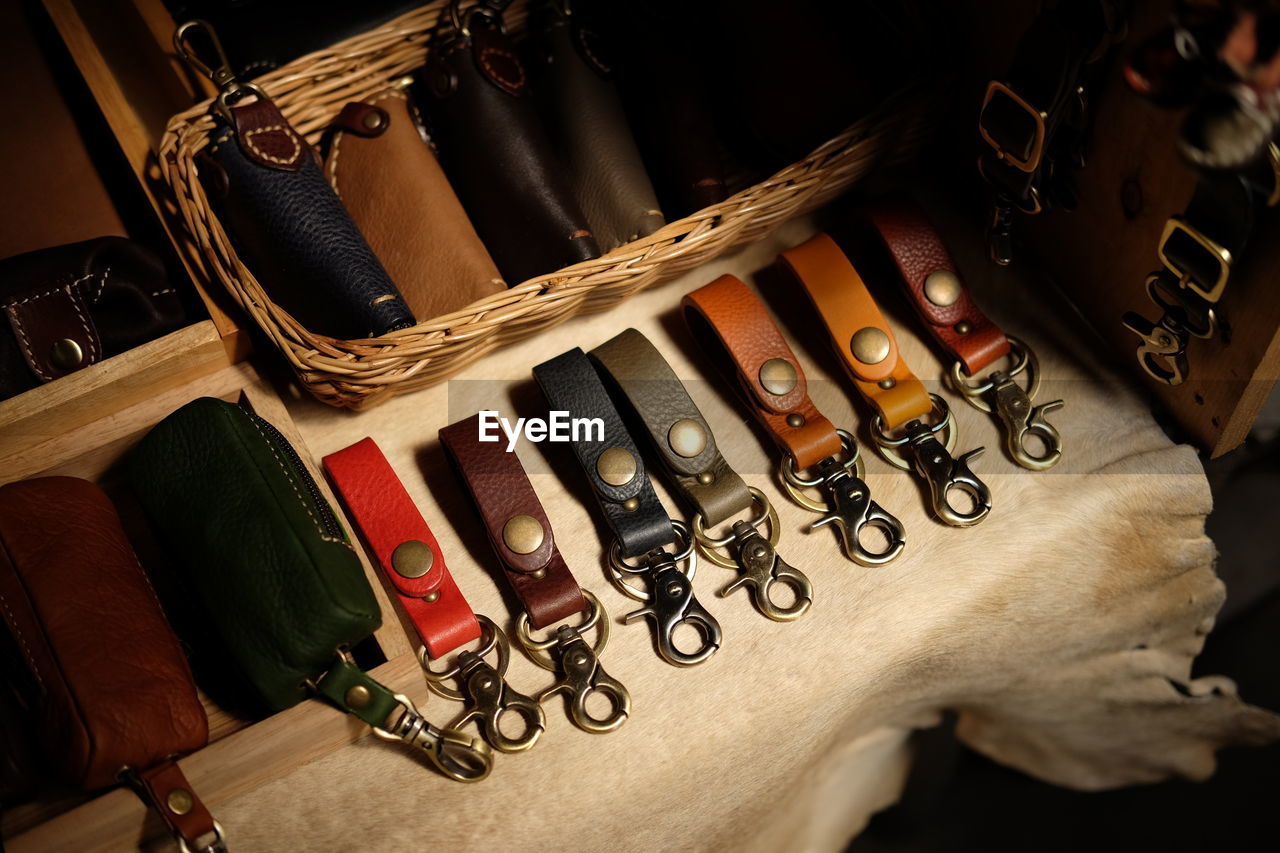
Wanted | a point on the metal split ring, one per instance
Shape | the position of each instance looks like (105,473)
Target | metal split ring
(766,513)
(1023,360)
(491,638)
(537,649)
(619,567)
(889,444)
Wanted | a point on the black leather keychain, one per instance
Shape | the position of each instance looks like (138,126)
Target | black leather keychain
(645,534)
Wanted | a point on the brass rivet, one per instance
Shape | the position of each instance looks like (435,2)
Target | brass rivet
(539,574)
(778,376)
(887,383)
(412,558)
(616,466)
(942,288)
(869,345)
(687,438)
(706,478)
(631,504)
(431,596)
(963,327)
(358,697)
(66,354)
(523,534)
(180,801)
(795,420)
(372,120)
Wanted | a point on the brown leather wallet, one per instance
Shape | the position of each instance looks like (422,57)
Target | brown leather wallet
(402,203)
(106,683)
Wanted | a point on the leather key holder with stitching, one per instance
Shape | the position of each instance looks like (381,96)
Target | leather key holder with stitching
(687,448)
(752,351)
(1035,122)
(1197,250)
(936,291)
(644,532)
(524,544)
(869,353)
(413,564)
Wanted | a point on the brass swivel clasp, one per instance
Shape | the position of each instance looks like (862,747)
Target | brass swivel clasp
(918,448)
(670,601)
(848,508)
(756,558)
(230,89)
(1012,405)
(1162,352)
(486,692)
(456,754)
(578,664)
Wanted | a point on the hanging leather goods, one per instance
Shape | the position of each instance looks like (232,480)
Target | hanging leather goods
(1035,123)
(412,562)
(1197,250)
(936,291)
(816,454)
(647,541)
(524,544)
(688,451)
(913,428)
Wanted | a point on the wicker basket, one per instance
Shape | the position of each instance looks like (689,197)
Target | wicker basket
(359,373)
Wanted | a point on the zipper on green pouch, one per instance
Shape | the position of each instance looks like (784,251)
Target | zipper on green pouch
(324,512)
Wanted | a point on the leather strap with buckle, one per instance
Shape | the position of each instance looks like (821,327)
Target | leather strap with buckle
(690,456)
(1034,123)
(411,560)
(524,544)
(937,292)
(752,351)
(643,529)
(869,352)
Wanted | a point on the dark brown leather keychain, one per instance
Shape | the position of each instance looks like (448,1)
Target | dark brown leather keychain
(687,448)
(525,546)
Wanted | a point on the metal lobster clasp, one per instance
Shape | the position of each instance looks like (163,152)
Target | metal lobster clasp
(487,693)
(1162,352)
(999,393)
(670,601)
(849,508)
(455,753)
(578,662)
(758,562)
(918,448)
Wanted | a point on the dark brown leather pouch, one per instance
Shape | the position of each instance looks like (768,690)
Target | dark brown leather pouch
(68,307)
(391,184)
(590,130)
(106,684)
(479,110)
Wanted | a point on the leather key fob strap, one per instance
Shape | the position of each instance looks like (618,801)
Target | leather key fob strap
(613,466)
(768,372)
(518,528)
(681,435)
(935,288)
(404,547)
(859,333)
(165,788)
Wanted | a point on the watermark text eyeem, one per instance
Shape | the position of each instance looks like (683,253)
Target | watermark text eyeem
(558,426)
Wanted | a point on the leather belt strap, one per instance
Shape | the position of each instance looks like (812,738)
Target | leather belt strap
(404,547)
(867,347)
(768,372)
(935,287)
(613,466)
(518,528)
(682,437)
(166,789)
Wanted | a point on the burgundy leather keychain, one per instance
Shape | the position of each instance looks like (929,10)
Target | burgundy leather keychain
(524,544)
(936,290)
(413,564)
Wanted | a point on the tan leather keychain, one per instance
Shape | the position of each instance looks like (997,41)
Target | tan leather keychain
(936,290)
(817,454)
(869,353)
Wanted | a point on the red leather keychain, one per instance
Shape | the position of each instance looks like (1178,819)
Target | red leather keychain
(936,290)
(411,561)
(525,547)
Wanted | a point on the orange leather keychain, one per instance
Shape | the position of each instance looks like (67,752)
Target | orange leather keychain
(817,454)
(937,293)
(869,352)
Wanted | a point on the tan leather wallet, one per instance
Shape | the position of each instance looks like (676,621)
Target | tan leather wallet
(400,199)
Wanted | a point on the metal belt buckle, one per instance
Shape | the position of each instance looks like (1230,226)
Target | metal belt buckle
(1221,256)
(1032,162)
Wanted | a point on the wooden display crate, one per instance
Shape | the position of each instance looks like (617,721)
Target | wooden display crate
(242,754)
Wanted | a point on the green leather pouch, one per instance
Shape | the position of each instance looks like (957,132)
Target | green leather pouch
(243,521)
